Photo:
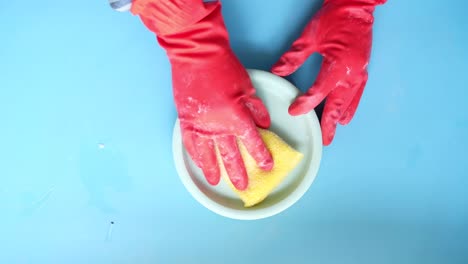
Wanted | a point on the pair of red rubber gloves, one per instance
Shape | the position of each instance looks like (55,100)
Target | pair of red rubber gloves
(214,96)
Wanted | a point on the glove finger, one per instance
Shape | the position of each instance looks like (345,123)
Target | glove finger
(189,144)
(302,105)
(259,112)
(315,95)
(208,161)
(329,120)
(336,103)
(351,109)
(300,50)
(257,149)
(232,160)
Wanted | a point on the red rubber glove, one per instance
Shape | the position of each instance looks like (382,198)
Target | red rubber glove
(342,33)
(214,96)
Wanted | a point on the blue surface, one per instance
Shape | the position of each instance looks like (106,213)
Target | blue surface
(391,188)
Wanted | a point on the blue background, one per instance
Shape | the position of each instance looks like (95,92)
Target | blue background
(391,187)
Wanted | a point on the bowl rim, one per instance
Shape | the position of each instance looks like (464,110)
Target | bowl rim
(252,213)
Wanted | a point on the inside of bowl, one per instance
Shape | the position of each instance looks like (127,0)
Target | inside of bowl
(300,132)
(223,195)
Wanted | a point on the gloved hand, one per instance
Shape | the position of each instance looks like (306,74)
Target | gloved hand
(341,32)
(213,94)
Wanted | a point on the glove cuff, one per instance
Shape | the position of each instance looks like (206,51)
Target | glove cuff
(165,17)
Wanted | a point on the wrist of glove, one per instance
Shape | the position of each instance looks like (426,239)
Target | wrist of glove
(213,94)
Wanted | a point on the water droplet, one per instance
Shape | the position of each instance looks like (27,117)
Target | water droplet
(101,146)
(109,231)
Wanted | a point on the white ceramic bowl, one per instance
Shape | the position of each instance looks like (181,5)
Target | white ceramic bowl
(301,132)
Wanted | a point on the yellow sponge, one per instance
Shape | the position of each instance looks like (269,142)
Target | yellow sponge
(262,183)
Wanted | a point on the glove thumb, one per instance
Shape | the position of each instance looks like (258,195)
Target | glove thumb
(259,112)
